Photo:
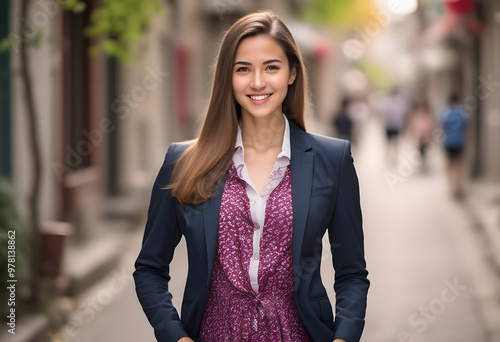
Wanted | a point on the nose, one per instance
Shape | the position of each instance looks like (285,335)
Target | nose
(258,82)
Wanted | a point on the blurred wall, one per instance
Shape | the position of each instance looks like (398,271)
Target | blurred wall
(105,127)
(489,84)
(44,62)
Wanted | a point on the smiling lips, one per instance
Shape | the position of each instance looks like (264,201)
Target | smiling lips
(258,99)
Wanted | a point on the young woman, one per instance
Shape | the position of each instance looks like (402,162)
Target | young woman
(253,197)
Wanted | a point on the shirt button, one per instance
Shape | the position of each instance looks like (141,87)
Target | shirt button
(256,226)
(256,256)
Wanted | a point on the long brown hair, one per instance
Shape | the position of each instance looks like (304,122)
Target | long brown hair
(204,163)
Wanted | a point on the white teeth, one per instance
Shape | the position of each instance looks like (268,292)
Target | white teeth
(260,97)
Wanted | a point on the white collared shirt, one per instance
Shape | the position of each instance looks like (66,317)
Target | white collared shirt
(258,201)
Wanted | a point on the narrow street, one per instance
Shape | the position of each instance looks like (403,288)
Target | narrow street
(424,259)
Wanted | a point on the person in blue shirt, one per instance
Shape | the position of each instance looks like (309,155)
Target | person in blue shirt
(454,122)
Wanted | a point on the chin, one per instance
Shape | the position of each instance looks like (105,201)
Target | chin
(259,114)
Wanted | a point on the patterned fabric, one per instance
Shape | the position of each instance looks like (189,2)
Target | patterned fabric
(234,311)
(258,200)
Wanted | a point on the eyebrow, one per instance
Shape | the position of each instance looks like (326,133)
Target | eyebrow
(266,62)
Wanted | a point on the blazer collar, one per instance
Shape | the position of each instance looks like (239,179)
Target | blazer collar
(298,138)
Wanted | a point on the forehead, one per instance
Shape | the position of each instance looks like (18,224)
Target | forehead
(259,48)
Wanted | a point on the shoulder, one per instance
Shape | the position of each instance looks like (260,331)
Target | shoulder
(318,143)
(176,149)
(174,152)
(329,152)
(334,146)
(331,158)
(454,113)
(326,149)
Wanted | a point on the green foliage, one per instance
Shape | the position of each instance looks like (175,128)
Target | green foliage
(75,6)
(340,14)
(9,221)
(122,22)
(326,12)
(8,216)
(12,41)
(378,77)
(5,44)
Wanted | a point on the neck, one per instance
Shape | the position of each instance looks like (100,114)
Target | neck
(262,133)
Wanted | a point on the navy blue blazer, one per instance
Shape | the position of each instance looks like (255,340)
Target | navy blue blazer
(325,197)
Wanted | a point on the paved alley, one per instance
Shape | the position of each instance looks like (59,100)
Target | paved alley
(425,260)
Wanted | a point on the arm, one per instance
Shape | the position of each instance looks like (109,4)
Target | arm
(346,240)
(162,234)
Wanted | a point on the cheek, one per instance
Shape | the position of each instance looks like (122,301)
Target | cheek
(238,85)
(282,82)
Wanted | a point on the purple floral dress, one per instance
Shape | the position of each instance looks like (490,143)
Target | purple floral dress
(234,311)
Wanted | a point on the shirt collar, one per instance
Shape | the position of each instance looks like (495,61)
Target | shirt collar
(285,147)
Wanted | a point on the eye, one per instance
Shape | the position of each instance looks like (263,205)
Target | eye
(273,67)
(242,69)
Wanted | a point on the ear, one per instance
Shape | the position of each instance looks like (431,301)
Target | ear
(293,75)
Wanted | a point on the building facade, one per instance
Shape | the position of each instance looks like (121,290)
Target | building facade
(104,127)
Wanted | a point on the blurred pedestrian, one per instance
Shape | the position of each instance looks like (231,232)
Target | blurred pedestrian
(254,245)
(421,125)
(343,122)
(454,122)
(394,112)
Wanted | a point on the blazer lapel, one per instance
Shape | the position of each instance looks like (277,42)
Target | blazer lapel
(301,168)
(211,221)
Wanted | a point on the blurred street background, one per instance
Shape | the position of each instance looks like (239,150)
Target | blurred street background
(94,91)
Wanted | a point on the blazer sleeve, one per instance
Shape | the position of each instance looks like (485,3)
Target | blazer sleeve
(346,241)
(161,236)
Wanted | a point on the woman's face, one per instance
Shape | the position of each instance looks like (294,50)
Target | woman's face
(261,75)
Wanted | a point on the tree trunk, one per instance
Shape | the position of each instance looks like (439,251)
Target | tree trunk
(34,149)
